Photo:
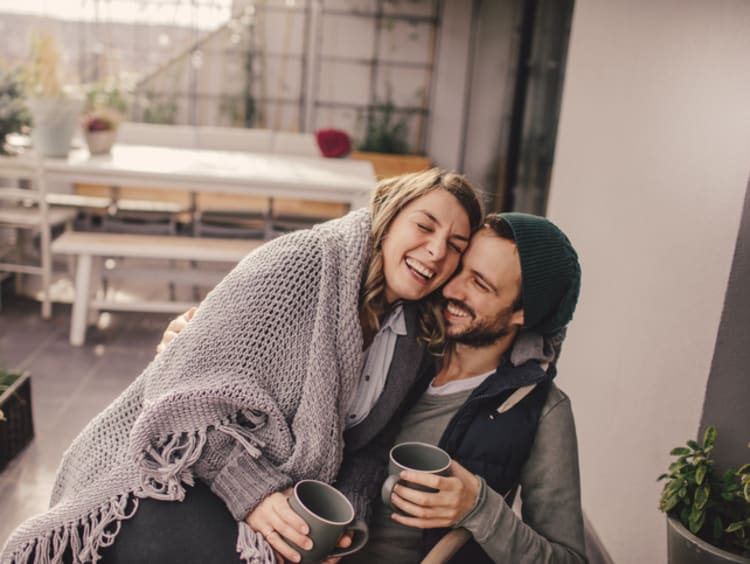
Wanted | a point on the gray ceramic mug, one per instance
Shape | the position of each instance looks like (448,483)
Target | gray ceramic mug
(419,457)
(328,513)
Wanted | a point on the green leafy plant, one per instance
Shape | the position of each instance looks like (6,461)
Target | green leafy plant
(106,95)
(160,108)
(383,132)
(6,380)
(713,506)
(14,115)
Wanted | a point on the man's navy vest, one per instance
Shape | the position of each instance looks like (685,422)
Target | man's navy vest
(491,444)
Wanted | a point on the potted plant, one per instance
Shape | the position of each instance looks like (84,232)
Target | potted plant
(16,423)
(384,143)
(708,512)
(100,129)
(54,110)
(105,111)
(14,116)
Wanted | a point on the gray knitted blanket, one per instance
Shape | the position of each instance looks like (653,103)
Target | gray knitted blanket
(250,398)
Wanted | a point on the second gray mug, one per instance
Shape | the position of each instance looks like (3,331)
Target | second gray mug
(420,457)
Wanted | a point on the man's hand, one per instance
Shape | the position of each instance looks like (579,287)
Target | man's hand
(273,518)
(344,542)
(445,508)
(174,328)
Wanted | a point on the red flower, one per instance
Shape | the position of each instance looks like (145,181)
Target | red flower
(99,124)
(333,142)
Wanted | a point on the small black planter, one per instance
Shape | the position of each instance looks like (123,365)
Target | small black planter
(18,429)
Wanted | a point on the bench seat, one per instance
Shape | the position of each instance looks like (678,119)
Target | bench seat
(87,246)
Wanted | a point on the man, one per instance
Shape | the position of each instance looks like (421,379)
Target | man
(491,404)
(493,407)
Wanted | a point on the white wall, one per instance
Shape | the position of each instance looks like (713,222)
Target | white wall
(652,161)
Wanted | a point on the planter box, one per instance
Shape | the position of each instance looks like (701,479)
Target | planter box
(392,165)
(18,429)
(683,547)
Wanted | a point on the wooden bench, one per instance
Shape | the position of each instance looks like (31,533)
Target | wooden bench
(88,246)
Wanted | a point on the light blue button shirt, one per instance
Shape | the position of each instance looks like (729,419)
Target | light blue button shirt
(377,363)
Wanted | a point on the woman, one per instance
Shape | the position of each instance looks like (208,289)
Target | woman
(256,392)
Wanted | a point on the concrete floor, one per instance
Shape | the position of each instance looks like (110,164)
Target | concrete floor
(69,386)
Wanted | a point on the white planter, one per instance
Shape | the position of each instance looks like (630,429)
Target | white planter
(100,142)
(54,122)
(683,547)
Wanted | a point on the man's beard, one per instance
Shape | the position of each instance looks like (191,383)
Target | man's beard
(482,334)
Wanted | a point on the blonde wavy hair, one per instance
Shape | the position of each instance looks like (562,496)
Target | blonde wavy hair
(389,198)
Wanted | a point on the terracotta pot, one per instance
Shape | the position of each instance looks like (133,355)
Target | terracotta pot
(100,142)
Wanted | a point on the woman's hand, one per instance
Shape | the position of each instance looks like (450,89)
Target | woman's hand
(445,508)
(274,518)
(174,328)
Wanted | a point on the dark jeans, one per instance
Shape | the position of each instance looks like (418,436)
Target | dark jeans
(199,530)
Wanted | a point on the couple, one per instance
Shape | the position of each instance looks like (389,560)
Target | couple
(258,390)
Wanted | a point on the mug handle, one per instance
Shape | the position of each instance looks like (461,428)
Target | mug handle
(387,489)
(361,536)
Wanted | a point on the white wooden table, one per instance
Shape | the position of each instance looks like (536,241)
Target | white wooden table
(227,172)
(198,170)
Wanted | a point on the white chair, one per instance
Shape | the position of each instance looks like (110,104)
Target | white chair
(24,211)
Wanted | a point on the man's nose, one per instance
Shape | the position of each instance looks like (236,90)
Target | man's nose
(454,288)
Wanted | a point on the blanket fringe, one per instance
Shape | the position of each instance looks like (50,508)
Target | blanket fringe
(164,470)
(84,537)
(244,437)
(252,547)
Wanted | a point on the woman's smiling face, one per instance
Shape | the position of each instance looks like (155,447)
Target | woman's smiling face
(423,246)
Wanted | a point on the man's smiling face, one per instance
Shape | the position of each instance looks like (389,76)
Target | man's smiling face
(481,298)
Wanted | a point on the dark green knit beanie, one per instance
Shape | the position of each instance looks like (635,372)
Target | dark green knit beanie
(550,273)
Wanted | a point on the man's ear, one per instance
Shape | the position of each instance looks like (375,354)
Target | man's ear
(517,318)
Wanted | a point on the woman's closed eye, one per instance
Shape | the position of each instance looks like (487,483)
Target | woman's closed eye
(456,247)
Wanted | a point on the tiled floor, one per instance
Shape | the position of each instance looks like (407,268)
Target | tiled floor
(69,386)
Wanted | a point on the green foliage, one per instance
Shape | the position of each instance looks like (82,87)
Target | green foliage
(383,132)
(14,115)
(160,108)
(714,507)
(104,95)
(6,380)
